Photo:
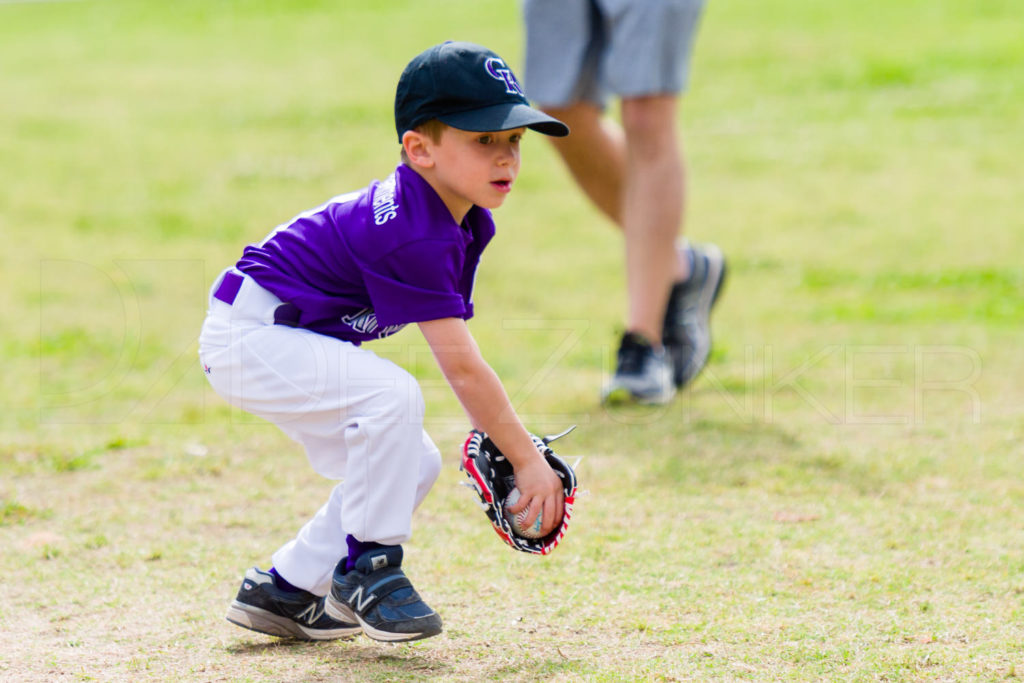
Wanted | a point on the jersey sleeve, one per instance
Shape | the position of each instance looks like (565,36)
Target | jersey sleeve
(416,282)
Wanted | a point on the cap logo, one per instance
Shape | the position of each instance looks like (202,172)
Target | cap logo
(497,69)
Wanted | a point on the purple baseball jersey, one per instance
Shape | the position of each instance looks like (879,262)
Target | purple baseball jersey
(367,263)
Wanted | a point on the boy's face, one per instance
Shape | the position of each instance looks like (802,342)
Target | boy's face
(475,168)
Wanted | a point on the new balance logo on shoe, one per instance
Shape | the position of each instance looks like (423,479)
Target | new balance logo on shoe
(378,595)
(356,599)
(311,613)
(261,606)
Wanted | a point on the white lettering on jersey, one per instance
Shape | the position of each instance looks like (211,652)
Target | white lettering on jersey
(384,205)
(365,322)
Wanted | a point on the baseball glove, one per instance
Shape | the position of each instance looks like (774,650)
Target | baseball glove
(492,478)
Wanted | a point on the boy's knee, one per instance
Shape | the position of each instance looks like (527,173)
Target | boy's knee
(400,398)
(430,466)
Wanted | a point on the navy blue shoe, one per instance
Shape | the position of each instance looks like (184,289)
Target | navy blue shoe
(261,606)
(687,332)
(377,594)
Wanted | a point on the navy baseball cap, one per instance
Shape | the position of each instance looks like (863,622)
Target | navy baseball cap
(468,87)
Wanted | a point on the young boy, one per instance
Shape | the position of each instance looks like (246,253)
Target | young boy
(282,341)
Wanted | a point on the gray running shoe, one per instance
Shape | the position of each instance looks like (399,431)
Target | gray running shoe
(687,332)
(261,606)
(377,594)
(643,374)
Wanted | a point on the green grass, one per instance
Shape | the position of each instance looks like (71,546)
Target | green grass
(837,497)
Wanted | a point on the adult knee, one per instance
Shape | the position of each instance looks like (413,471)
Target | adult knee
(650,124)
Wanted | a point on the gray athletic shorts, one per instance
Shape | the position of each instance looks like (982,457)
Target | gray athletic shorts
(589,50)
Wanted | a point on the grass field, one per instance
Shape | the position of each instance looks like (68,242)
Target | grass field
(838,497)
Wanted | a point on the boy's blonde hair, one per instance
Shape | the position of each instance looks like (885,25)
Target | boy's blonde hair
(432,128)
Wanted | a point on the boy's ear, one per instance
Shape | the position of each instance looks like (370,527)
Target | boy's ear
(418,148)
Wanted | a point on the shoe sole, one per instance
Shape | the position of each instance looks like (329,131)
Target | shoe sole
(620,396)
(716,269)
(268,623)
(339,611)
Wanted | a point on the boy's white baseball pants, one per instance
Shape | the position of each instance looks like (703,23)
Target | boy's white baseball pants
(359,417)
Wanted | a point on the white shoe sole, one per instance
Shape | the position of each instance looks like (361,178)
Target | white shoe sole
(341,612)
(262,621)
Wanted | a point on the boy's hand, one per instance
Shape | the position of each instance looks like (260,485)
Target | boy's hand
(546,483)
(540,489)
(547,492)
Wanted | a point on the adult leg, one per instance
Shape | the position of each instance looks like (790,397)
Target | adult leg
(635,178)
(652,209)
(595,154)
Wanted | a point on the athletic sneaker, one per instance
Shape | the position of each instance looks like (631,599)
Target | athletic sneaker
(377,594)
(687,334)
(643,374)
(261,606)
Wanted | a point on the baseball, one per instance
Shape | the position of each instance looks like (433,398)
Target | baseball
(518,521)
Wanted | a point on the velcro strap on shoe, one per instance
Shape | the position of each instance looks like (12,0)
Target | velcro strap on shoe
(364,599)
